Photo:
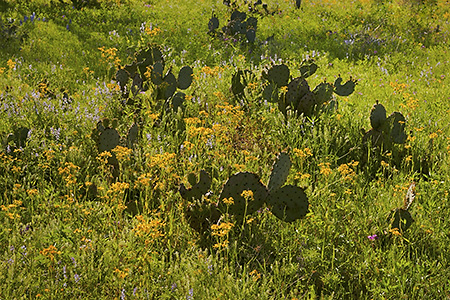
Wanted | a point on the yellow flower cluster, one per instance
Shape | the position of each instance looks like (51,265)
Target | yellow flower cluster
(248,195)
(104,156)
(122,153)
(347,170)
(118,187)
(305,153)
(121,274)
(69,173)
(50,252)
(222,229)
(10,209)
(255,274)
(211,71)
(228,201)
(302,176)
(325,169)
(109,55)
(152,32)
(153,228)
(143,180)
(11,64)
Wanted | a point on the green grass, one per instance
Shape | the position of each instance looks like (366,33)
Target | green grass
(71,227)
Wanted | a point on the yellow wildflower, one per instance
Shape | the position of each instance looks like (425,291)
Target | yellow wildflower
(11,64)
(122,153)
(248,195)
(325,169)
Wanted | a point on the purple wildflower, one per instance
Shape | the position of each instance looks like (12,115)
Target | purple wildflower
(373,237)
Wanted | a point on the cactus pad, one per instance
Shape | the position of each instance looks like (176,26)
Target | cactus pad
(185,77)
(396,122)
(346,88)
(238,82)
(234,187)
(251,35)
(108,140)
(308,68)
(289,203)
(377,116)
(297,88)
(200,215)
(375,137)
(400,218)
(279,74)
(131,69)
(122,77)
(132,135)
(252,23)
(270,93)
(198,188)
(280,171)
(170,84)
(323,93)
(137,84)
(178,100)
(157,73)
(213,24)
(306,104)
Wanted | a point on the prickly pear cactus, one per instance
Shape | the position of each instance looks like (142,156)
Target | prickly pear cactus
(213,24)
(386,131)
(234,187)
(239,82)
(108,140)
(346,88)
(297,88)
(323,93)
(270,93)
(288,203)
(308,67)
(200,215)
(377,116)
(132,135)
(250,35)
(252,23)
(148,56)
(170,85)
(198,189)
(396,126)
(306,104)
(280,171)
(157,73)
(137,85)
(400,217)
(279,75)
(185,77)
(376,138)
(177,100)
(122,77)
(131,69)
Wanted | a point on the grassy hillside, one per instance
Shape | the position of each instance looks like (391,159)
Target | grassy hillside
(140,149)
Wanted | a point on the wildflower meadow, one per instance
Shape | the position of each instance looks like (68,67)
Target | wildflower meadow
(156,149)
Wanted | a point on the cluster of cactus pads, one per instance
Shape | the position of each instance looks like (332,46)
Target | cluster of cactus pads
(238,26)
(18,138)
(401,218)
(287,202)
(298,96)
(107,137)
(166,83)
(385,130)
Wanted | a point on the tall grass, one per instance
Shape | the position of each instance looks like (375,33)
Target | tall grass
(74,228)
